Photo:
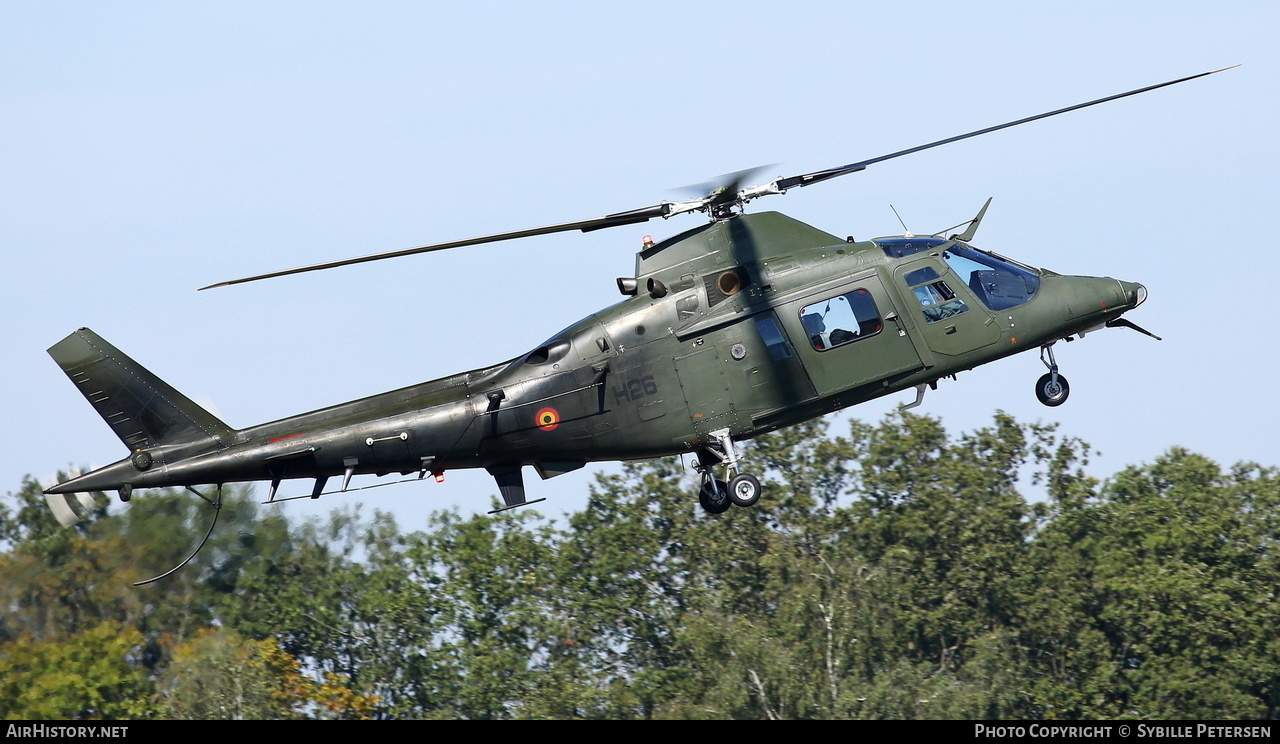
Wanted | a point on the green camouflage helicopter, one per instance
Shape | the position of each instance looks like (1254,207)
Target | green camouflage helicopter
(737,327)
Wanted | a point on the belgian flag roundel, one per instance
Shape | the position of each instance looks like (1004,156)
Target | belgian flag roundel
(548,419)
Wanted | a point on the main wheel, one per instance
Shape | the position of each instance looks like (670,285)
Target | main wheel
(744,489)
(714,496)
(1051,392)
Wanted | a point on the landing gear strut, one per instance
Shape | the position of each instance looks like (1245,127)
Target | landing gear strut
(716,495)
(1052,388)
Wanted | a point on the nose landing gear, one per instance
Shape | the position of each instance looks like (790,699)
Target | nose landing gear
(716,495)
(1052,388)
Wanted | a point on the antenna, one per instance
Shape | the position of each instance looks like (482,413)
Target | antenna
(905,232)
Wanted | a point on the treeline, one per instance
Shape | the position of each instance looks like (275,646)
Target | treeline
(896,572)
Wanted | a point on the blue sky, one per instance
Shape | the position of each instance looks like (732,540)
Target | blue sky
(147,149)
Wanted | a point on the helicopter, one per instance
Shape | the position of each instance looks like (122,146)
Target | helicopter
(744,324)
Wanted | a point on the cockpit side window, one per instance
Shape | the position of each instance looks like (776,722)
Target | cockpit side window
(998,283)
(920,276)
(840,320)
(937,299)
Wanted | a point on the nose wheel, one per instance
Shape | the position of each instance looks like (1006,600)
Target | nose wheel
(1052,388)
(716,495)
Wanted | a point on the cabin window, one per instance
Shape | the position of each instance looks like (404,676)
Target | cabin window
(774,341)
(841,320)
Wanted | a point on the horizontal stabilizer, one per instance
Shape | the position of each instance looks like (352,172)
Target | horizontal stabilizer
(140,408)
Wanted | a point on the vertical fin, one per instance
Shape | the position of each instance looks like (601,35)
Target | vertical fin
(143,410)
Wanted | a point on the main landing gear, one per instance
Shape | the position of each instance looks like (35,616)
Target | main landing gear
(1052,388)
(716,495)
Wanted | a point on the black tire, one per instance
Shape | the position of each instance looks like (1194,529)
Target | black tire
(714,496)
(744,489)
(1051,393)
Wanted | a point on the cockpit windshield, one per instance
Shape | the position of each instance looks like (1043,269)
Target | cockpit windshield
(997,282)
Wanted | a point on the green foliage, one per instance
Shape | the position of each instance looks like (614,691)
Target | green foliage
(219,674)
(898,571)
(89,676)
(1167,578)
(371,623)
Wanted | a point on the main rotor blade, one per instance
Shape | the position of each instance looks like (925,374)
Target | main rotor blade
(809,179)
(714,200)
(633,216)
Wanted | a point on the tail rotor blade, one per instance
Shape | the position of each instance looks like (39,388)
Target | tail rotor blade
(61,509)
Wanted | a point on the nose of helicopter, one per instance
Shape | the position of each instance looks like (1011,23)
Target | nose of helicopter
(1136,293)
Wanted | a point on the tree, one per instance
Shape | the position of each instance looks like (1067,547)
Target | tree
(91,675)
(1158,595)
(885,578)
(220,675)
(896,572)
(371,626)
